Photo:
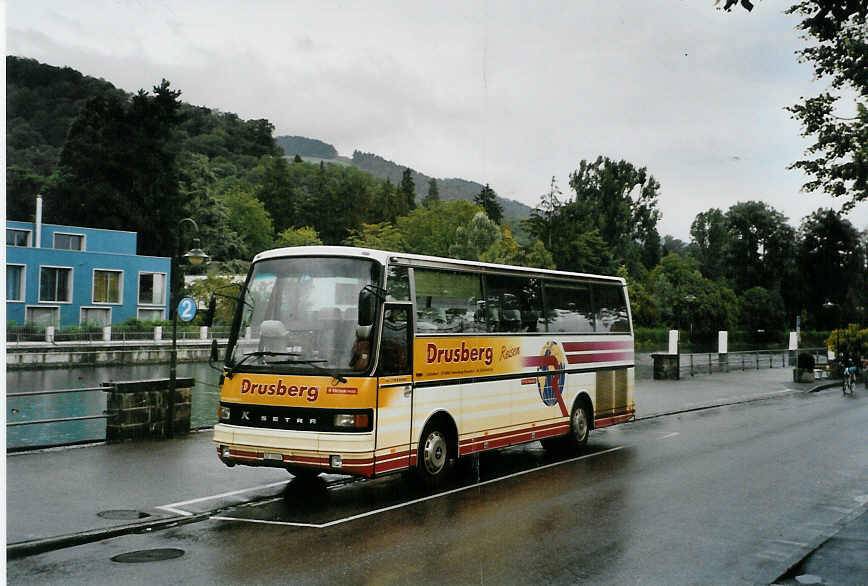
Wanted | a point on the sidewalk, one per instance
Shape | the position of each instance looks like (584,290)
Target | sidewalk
(62,491)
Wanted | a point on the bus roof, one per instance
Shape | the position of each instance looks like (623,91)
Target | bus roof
(385,257)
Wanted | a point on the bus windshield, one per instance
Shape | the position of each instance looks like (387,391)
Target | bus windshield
(300,315)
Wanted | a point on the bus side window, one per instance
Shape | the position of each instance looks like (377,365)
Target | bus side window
(395,343)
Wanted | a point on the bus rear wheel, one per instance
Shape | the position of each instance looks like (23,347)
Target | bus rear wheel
(580,427)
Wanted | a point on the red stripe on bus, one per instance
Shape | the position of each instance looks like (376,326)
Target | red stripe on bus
(607,421)
(599,357)
(513,432)
(607,345)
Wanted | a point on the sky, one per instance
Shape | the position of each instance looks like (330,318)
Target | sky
(509,93)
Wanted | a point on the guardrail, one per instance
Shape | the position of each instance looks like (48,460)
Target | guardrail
(23,334)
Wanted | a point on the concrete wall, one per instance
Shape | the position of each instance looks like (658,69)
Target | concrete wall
(139,409)
(99,354)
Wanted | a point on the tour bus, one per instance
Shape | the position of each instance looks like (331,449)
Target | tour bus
(365,362)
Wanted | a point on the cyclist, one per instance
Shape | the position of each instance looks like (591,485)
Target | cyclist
(849,375)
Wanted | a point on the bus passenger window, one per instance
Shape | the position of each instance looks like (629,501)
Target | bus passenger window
(448,301)
(611,309)
(514,303)
(568,308)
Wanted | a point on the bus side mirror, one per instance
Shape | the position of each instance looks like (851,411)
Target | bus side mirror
(367,307)
(212,307)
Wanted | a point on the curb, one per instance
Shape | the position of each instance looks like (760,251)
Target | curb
(726,403)
(37,546)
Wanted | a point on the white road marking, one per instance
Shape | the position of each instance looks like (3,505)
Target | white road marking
(173,507)
(414,501)
(668,435)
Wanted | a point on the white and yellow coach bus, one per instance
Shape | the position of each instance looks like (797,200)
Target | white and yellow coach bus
(367,362)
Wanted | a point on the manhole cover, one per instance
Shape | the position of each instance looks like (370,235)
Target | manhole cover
(148,555)
(122,515)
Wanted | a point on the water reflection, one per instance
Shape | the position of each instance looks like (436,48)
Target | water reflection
(206,397)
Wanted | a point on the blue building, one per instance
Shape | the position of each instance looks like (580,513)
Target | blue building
(67,276)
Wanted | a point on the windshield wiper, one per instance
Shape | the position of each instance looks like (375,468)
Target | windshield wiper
(316,366)
(231,370)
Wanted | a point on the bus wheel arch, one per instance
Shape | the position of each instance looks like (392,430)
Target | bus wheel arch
(584,399)
(437,449)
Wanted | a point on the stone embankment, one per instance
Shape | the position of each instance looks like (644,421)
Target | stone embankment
(37,355)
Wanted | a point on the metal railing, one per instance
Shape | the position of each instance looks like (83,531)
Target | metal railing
(103,415)
(22,334)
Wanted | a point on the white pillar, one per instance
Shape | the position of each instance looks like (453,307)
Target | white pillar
(203,332)
(723,342)
(107,334)
(158,333)
(49,334)
(248,333)
(794,341)
(673,341)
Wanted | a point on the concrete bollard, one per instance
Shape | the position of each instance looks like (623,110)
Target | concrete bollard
(158,333)
(203,332)
(107,334)
(49,334)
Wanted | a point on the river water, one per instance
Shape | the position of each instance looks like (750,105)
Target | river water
(204,409)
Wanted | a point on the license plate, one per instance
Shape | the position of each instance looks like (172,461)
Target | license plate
(273,456)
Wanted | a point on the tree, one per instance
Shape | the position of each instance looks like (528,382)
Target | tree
(305,236)
(541,222)
(249,219)
(407,189)
(473,239)
(434,230)
(760,246)
(381,236)
(838,160)
(487,200)
(433,195)
(118,169)
(507,251)
(762,313)
(831,257)
(621,202)
(709,238)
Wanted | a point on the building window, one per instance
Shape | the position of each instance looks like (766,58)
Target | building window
(96,316)
(55,284)
(152,288)
(68,241)
(14,282)
(150,314)
(107,286)
(17,237)
(43,316)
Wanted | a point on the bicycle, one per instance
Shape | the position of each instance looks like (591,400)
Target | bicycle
(849,381)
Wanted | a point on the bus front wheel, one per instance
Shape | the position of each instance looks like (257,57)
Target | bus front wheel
(433,457)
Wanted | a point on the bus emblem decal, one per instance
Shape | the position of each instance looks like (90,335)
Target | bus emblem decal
(551,384)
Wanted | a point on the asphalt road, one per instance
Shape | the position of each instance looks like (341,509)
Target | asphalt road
(731,495)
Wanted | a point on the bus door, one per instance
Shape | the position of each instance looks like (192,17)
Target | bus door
(395,392)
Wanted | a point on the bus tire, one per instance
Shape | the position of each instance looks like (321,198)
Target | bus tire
(434,455)
(580,427)
(303,473)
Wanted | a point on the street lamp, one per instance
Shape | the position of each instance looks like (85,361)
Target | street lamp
(829,305)
(195,256)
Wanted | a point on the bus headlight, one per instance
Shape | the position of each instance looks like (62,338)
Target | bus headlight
(224,413)
(352,420)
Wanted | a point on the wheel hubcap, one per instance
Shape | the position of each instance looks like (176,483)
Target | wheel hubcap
(580,424)
(434,452)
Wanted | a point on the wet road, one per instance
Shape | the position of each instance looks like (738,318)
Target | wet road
(728,495)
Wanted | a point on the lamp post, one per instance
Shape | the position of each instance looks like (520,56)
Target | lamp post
(829,305)
(194,256)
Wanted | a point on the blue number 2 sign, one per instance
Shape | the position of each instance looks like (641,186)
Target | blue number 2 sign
(186,309)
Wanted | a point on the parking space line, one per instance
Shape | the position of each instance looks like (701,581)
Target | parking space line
(414,501)
(173,507)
